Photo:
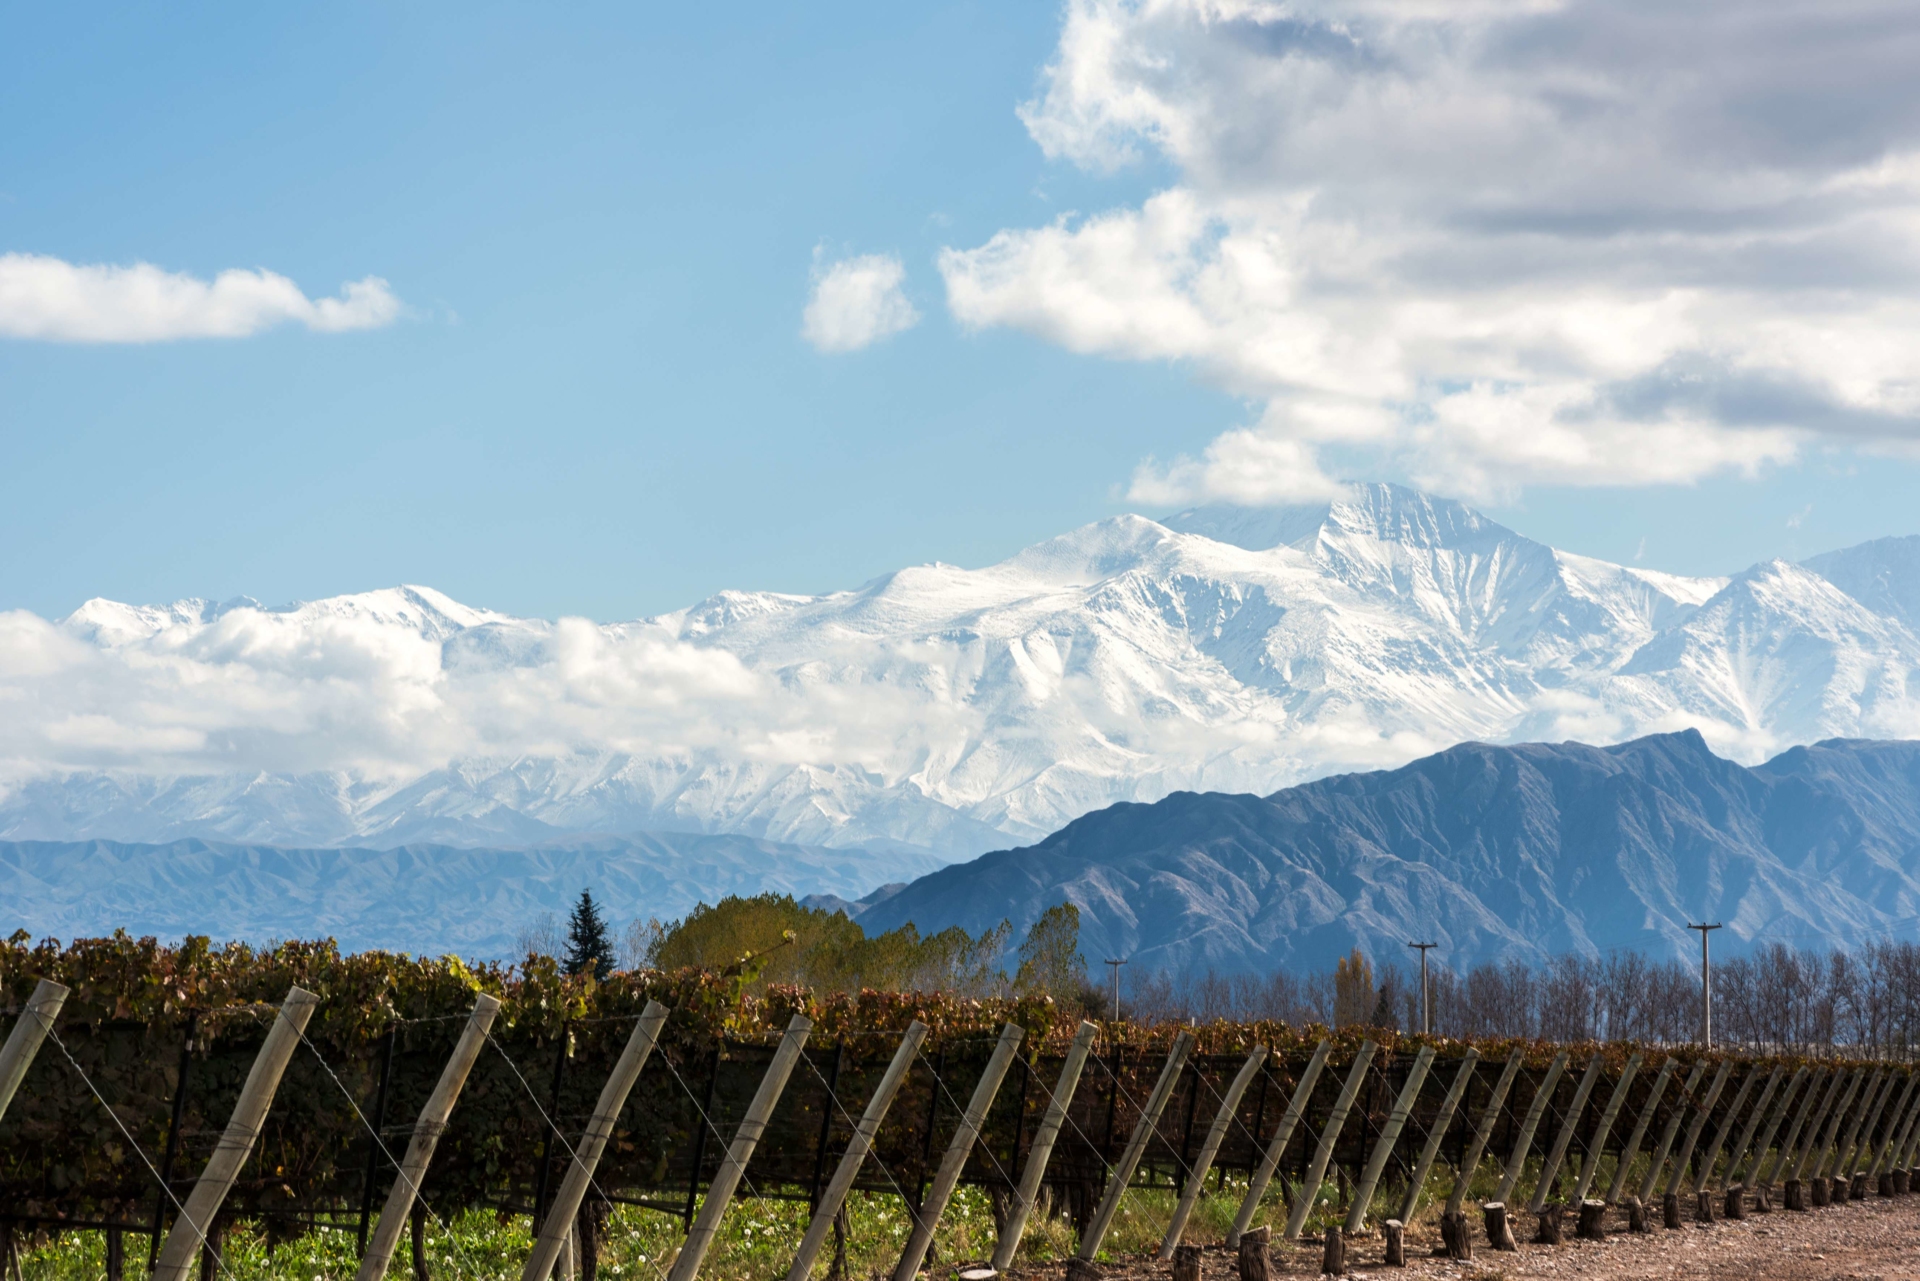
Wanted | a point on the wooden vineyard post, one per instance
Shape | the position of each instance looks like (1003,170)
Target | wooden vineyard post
(557,1229)
(1389,1135)
(1700,1118)
(1896,1126)
(1862,1129)
(1276,1147)
(1042,1150)
(1822,1138)
(1720,1133)
(236,1142)
(1591,1165)
(1843,1147)
(1216,1134)
(1671,1132)
(1136,1148)
(1632,1149)
(739,1152)
(1310,1188)
(1737,1155)
(1758,1151)
(1523,1141)
(957,1152)
(29,1030)
(1483,1132)
(1784,1158)
(1550,1168)
(844,1174)
(426,1136)
(1900,1155)
(1431,1151)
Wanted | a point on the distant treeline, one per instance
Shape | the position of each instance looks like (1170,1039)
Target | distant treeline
(1777,998)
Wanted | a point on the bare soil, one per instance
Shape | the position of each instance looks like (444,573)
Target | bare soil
(1873,1238)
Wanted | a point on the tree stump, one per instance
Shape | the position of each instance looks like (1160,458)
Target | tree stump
(1395,1232)
(1499,1234)
(1456,1235)
(1820,1191)
(1255,1263)
(1795,1195)
(1763,1200)
(1670,1211)
(1333,1260)
(1858,1190)
(1736,1206)
(1636,1216)
(1548,1231)
(1886,1183)
(1186,1263)
(1703,1208)
(1081,1270)
(1593,1221)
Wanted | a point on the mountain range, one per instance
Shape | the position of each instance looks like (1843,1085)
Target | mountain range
(1494,853)
(936,710)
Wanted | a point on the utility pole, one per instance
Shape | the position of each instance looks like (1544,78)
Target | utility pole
(1426,995)
(1706,988)
(1113,966)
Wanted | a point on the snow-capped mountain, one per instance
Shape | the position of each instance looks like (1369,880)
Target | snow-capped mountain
(946,709)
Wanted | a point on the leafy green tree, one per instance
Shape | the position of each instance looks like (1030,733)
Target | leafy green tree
(589,942)
(1050,960)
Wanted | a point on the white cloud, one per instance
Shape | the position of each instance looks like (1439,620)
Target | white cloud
(1489,244)
(46,298)
(856,302)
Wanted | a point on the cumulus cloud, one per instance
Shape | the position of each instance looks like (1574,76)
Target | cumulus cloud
(856,302)
(1488,243)
(49,299)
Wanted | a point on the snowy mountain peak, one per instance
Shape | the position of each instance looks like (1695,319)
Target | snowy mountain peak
(938,707)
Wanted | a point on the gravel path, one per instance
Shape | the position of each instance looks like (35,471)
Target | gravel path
(1873,1238)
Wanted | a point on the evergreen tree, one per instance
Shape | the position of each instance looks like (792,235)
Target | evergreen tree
(589,943)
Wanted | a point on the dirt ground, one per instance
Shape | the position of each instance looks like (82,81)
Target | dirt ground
(1874,1238)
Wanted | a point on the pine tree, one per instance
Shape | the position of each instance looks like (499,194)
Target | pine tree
(589,944)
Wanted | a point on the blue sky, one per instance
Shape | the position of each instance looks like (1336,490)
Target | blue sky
(602,225)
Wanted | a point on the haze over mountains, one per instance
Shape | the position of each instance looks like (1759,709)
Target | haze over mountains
(949,710)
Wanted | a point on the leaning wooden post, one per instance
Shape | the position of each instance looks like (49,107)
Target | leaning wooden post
(1785,1158)
(1862,1127)
(1389,1135)
(955,1159)
(1705,1110)
(1310,1189)
(29,1030)
(1442,1119)
(856,1154)
(1757,1152)
(1737,1155)
(1721,1131)
(1216,1134)
(1136,1147)
(556,1231)
(1672,1131)
(1015,1224)
(739,1152)
(1896,1125)
(1902,1155)
(236,1143)
(1276,1147)
(1568,1124)
(1488,1119)
(1632,1149)
(1599,1144)
(1822,1137)
(1523,1141)
(426,1136)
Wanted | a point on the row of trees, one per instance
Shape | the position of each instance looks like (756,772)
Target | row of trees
(1776,998)
(783,942)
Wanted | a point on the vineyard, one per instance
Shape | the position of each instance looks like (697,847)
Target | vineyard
(676,1093)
